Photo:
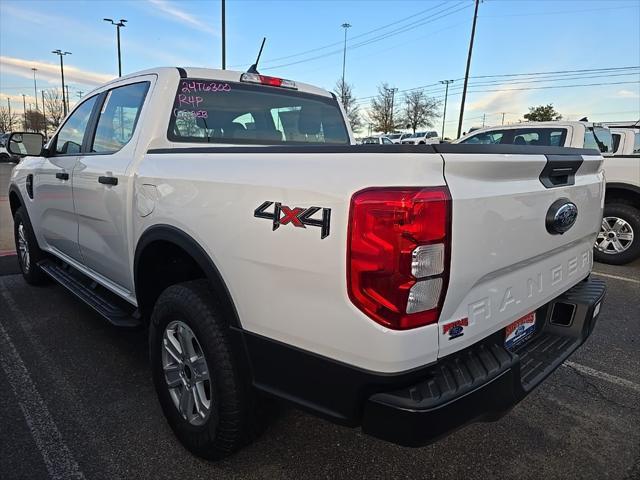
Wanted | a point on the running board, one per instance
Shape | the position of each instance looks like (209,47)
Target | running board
(117,311)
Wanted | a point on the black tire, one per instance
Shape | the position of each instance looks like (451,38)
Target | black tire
(228,426)
(631,216)
(32,274)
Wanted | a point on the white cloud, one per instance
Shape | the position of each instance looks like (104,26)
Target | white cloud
(627,94)
(50,72)
(177,14)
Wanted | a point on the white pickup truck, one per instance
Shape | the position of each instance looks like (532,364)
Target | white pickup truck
(618,241)
(408,290)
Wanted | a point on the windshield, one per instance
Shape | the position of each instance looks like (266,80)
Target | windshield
(206,111)
(394,136)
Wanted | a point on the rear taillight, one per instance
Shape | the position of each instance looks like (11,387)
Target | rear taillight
(398,254)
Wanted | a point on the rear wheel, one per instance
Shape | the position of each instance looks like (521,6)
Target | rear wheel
(29,254)
(617,242)
(196,372)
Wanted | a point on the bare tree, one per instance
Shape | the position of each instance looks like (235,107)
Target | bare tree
(383,113)
(7,121)
(420,110)
(344,92)
(53,107)
(34,121)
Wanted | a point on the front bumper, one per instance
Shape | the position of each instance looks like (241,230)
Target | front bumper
(484,381)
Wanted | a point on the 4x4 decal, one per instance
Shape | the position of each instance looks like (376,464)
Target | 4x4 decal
(298,217)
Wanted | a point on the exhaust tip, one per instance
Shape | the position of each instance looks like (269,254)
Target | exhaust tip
(562,314)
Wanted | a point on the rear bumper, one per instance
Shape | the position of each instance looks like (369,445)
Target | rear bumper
(485,380)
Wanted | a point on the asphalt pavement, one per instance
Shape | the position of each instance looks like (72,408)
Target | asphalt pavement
(77,401)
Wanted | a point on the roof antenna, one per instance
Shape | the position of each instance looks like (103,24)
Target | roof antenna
(254,68)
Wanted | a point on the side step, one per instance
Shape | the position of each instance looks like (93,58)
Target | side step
(116,310)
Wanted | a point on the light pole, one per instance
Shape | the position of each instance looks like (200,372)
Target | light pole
(10,117)
(446,95)
(24,108)
(466,75)
(118,24)
(346,26)
(44,115)
(61,54)
(35,86)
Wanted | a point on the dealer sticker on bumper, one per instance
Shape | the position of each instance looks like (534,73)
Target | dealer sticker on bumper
(520,331)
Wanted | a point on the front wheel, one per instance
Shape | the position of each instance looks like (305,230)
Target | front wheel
(617,242)
(29,253)
(196,372)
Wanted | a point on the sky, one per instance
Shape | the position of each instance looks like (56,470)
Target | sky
(407,44)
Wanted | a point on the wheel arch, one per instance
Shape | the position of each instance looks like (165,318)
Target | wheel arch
(156,240)
(629,194)
(15,199)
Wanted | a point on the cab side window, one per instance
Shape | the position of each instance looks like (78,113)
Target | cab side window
(118,117)
(69,139)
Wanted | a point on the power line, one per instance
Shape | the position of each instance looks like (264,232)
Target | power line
(439,15)
(364,34)
(559,75)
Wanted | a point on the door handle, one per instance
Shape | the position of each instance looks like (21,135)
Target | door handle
(108,180)
(62,176)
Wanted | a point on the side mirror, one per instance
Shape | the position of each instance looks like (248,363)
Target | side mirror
(25,143)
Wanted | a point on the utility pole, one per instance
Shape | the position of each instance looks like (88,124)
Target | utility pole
(67,87)
(446,95)
(79,93)
(61,54)
(484,116)
(118,24)
(393,96)
(346,26)
(503,118)
(24,107)
(466,75)
(224,37)
(35,86)
(44,115)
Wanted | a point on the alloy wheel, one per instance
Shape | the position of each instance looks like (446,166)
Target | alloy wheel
(186,373)
(615,236)
(23,248)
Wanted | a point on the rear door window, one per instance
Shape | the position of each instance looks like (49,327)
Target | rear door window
(616,141)
(207,111)
(118,117)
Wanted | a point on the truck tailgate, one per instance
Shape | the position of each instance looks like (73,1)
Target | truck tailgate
(504,262)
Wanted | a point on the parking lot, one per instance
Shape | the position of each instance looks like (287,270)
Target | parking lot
(77,401)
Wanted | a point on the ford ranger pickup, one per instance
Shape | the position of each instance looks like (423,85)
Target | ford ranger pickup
(405,289)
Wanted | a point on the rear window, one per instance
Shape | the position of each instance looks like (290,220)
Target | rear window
(207,111)
(554,137)
(636,143)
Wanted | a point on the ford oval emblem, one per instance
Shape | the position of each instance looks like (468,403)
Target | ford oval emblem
(561,216)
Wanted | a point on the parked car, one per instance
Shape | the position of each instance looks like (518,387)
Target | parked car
(422,138)
(557,134)
(4,154)
(379,287)
(618,241)
(398,137)
(381,140)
